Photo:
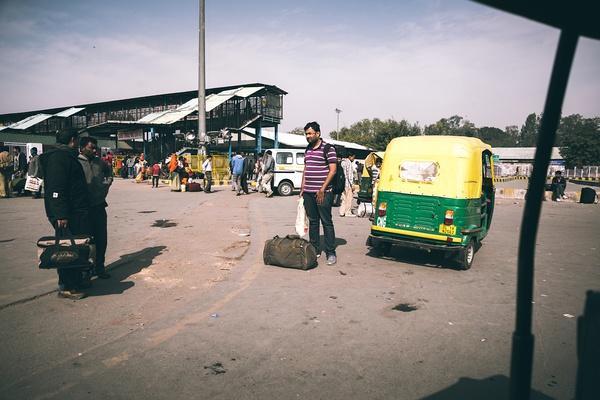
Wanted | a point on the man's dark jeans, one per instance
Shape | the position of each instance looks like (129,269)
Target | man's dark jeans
(320,212)
(155,179)
(99,232)
(73,279)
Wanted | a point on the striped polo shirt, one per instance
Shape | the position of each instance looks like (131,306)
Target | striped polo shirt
(316,169)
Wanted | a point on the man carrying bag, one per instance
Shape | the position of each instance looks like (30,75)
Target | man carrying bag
(67,204)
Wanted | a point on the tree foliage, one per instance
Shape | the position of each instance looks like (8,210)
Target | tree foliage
(529,131)
(580,139)
(297,131)
(376,133)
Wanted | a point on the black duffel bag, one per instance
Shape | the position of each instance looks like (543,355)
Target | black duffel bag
(65,251)
(290,252)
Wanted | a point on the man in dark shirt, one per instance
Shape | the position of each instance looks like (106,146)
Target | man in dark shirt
(319,169)
(99,177)
(66,201)
(559,185)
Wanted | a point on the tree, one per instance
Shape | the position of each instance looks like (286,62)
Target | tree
(581,146)
(377,133)
(297,131)
(455,126)
(529,131)
(496,137)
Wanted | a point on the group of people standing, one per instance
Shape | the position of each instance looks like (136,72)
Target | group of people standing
(77,182)
(243,168)
(14,170)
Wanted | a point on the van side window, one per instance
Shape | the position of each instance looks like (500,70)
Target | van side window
(284,158)
(300,158)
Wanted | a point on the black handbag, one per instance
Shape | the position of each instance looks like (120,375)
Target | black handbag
(65,251)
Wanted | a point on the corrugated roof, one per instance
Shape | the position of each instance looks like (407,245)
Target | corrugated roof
(69,111)
(299,141)
(30,121)
(212,101)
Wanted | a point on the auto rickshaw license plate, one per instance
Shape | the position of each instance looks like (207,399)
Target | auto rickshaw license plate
(448,229)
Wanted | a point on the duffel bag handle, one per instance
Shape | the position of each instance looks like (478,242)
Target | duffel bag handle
(294,236)
(63,233)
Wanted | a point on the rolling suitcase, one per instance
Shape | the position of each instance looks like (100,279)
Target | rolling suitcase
(290,252)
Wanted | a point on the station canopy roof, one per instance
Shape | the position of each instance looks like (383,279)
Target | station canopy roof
(212,101)
(37,118)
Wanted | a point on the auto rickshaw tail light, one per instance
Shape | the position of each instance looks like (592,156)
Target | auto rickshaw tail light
(382,210)
(449,217)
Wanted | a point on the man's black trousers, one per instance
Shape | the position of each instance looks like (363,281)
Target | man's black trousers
(320,213)
(98,231)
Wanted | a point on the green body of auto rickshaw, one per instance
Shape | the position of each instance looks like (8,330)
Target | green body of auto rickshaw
(434,193)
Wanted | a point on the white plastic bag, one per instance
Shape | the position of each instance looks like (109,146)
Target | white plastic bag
(301,219)
(33,184)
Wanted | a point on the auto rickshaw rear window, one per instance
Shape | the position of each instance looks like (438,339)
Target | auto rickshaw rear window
(419,171)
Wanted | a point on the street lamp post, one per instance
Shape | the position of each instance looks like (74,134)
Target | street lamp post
(338,111)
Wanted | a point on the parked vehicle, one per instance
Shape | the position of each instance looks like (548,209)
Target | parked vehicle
(289,167)
(366,188)
(435,193)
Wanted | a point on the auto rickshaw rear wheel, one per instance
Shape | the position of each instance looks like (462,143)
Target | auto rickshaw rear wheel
(466,255)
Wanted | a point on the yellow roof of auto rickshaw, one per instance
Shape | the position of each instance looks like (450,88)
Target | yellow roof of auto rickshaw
(455,161)
(436,145)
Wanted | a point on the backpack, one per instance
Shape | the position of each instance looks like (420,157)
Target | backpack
(338,183)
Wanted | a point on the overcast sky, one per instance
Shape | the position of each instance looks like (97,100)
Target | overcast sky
(415,60)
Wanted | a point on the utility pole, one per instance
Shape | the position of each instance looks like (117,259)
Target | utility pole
(337,131)
(201,81)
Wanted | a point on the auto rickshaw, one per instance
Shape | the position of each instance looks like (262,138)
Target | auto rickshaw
(434,193)
(365,191)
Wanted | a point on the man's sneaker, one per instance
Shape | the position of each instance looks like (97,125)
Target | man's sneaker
(558,199)
(318,255)
(71,294)
(331,259)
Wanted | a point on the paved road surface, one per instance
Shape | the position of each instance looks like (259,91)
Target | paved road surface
(192,312)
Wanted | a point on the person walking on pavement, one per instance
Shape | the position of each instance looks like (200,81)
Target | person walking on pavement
(20,163)
(6,170)
(237,169)
(258,170)
(66,201)
(155,174)
(268,171)
(207,168)
(34,170)
(246,171)
(347,165)
(320,164)
(98,176)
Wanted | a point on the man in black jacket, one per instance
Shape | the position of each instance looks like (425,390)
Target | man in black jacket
(66,202)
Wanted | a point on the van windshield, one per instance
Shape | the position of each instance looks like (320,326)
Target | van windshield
(419,171)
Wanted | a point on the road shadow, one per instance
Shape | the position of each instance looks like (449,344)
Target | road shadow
(433,259)
(492,388)
(338,241)
(120,270)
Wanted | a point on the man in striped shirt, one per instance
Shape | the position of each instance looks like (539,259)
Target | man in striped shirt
(319,169)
